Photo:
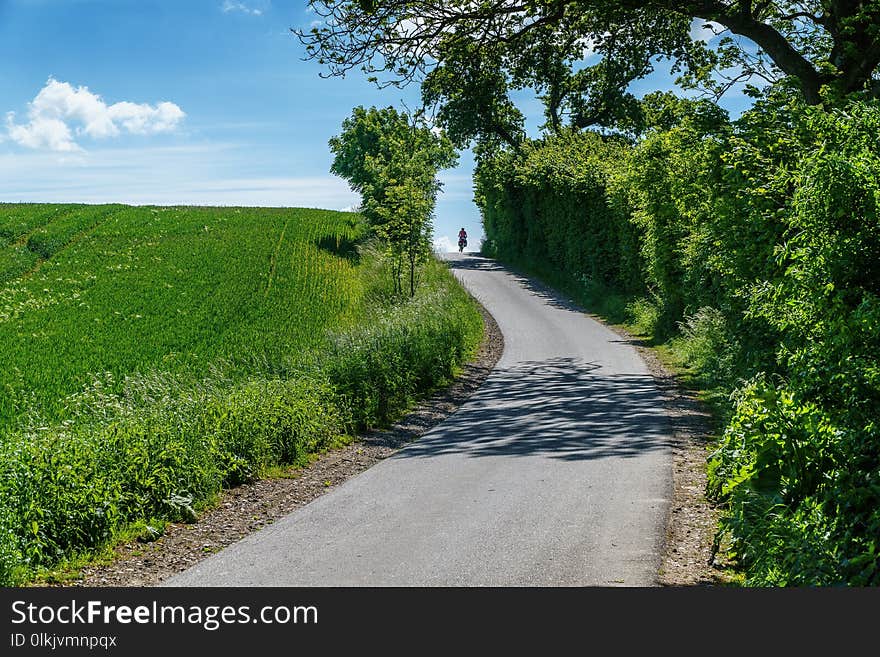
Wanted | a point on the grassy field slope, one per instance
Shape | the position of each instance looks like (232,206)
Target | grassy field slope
(121,290)
(152,355)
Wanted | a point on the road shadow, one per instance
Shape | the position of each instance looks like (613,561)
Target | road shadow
(549,296)
(561,408)
(635,342)
(470,261)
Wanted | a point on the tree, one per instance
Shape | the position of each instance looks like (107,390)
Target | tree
(392,160)
(406,225)
(471,55)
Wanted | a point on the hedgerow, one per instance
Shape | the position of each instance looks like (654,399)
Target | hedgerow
(758,260)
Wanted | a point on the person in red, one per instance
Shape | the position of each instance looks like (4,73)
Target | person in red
(462,239)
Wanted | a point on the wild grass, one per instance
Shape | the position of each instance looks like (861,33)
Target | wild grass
(161,354)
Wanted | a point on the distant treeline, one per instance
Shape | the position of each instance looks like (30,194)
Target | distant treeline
(753,247)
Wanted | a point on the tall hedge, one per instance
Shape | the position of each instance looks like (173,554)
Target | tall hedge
(556,205)
(758,244)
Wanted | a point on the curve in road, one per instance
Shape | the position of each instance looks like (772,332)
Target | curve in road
(556,472)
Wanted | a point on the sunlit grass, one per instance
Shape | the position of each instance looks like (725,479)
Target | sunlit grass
(153,356)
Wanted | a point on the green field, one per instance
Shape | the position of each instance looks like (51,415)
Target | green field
(152,355)
(126,290)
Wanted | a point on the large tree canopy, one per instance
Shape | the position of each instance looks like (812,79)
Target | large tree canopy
(470,54)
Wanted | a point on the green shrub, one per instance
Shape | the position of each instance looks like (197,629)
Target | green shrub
(555,205)
(643,315)
(707,347)
(779,471)
(809,448)
(413,347)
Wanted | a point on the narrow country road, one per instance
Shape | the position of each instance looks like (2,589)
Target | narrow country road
(556,472)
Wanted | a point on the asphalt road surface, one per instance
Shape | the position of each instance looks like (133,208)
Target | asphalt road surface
(556,472)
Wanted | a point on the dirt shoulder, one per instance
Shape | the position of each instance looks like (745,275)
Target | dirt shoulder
(688,559)
(248,508)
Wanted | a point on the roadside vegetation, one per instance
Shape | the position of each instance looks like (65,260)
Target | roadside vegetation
(749,249)
(154,355)
(392,159)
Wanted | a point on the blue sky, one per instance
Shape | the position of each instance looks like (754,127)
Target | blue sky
(184,102)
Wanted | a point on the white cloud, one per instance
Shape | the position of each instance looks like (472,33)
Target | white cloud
(60,101)
(228,6)
(443,244)
(144,119)
(59,105)
(42,133)
(702,30)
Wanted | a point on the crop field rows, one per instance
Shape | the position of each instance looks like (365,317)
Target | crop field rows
(123,289)
(27,235)
(153,355)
